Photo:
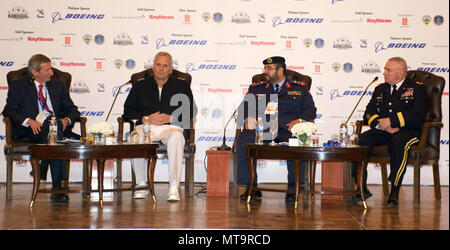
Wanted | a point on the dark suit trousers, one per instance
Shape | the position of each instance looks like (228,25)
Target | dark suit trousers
(248,136)
(398,147)
(57,167)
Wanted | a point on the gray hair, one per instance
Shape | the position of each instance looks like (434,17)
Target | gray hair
(163,53)
(36,61)
(400,61)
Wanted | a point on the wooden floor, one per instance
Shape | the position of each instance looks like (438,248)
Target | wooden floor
(202,212)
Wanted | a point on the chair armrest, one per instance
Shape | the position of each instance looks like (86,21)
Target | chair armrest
(236,136)
(120,132)
(7,122)
(425,131)
(359,125)
(82,120)
(190,134)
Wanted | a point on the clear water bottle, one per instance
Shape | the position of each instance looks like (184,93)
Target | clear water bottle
(343,134)
(259,132)
(353,139)
(147,132)
(52,137)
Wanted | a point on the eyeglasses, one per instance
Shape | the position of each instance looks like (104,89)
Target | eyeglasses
(268,68)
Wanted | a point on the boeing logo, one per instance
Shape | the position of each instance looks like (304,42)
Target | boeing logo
(191,67)
(161,43)
(215,138)
(278,21)
(334,93)
(434,69)
(116,88)
(379,46)
(92,113)
(56,16)
(6,63)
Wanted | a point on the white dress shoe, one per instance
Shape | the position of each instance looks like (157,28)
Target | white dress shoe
(173,194)
(140,194)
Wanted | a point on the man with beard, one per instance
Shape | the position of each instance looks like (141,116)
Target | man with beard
(293,103)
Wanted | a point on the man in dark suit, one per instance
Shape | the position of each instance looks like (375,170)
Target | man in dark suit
(30,104)
(167,104)
(395,114)
(293,103)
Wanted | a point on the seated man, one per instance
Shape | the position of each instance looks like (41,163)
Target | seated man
(30,104)
(295,104)
(151,99)
(395,114)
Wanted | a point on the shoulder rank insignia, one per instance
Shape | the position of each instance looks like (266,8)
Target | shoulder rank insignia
(140,79)
(300,83)
(420,83)
(288,85)
(257,83)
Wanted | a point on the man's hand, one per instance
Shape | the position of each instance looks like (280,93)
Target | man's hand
(292,123)
(392,130)
(384,123)
(35,126)
(250,123)
(65,123)
(157,118)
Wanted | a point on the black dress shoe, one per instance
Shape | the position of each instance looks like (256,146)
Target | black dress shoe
(290,197)
(357,198)
(393,199)
(256,195)
(59,197)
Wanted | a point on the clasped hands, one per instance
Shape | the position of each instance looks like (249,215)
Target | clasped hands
(385,125)
(157,118)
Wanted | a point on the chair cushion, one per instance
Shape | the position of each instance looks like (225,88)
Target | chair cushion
(188,149)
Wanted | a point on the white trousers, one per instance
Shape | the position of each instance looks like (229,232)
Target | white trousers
(172,137)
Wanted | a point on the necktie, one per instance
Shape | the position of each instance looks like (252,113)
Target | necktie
(276,88)
(43,101)
(394,90)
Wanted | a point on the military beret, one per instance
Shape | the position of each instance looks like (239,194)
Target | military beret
(274,59)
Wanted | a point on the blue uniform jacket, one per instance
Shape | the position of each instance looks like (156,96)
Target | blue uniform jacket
(294,102)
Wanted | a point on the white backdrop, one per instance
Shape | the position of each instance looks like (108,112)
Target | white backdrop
(341,44)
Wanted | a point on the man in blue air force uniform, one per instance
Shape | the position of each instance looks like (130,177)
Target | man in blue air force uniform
(294,104)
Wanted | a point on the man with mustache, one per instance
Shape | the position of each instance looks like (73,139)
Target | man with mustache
(294,104)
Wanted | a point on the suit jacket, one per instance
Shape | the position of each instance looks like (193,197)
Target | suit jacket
(21,103)
(143,99)
(294,102)
(405,110)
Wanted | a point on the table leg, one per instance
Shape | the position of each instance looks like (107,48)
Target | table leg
(151,163)
(86,180)
(100,172)
(36,180)
(297,181)
(251,177)
(361,170)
